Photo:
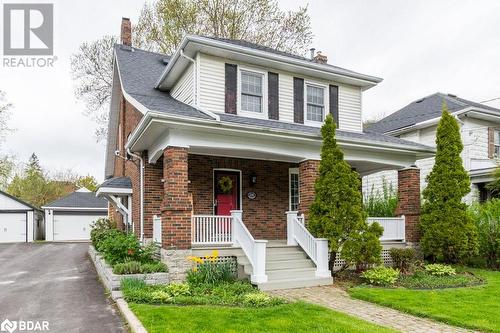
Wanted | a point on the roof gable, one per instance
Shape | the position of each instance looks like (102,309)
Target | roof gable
(9,202)
(423,109)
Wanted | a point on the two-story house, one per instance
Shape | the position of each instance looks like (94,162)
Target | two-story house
(417,122)
(218,146)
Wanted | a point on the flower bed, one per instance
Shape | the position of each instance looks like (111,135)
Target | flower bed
(113,281)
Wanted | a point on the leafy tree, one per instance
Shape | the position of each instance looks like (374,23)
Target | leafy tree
(4,115)
(448,234)
(33,186)
(337,211)
(88,182)
(494,186)
(163,23)
(6,169)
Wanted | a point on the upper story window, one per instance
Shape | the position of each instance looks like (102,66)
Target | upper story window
(315,108)
(497,143)
(251,92)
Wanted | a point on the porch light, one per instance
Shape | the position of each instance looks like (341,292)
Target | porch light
(253,179)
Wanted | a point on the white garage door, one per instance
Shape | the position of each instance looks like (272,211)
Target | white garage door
(73,227)
(12,227)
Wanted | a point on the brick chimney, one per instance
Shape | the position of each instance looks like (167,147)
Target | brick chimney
(320,58)
(126,32)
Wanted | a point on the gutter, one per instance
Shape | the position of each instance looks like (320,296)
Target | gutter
(142,192)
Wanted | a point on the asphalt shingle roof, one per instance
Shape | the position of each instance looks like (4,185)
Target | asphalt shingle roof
(139,73)
(80,200)
(117,182)
(273,124)
(424,109)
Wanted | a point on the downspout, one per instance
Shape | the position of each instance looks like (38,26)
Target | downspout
(141,191)
(195,81)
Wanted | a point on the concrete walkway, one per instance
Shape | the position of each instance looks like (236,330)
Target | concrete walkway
(337,299)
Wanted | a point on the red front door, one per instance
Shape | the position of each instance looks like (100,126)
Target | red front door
(227,189)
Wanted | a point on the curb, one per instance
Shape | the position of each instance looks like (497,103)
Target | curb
(133,322)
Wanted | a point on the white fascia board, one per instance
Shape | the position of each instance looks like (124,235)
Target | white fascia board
(203,41)
(75,209)
(113,190)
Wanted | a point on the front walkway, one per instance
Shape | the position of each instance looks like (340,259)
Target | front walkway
(337,299)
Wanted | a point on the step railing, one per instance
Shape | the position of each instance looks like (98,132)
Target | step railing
(255,250)
(315,248)
(211,230)
(394,227)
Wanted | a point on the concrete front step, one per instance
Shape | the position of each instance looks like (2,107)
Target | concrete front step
(295,283)
(285,256)
(296,273)
(289,264)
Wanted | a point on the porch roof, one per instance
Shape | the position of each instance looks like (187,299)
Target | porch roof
(115,186)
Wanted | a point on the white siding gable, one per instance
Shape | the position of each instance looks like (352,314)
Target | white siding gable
(184,89)
(7,203)
(211,83)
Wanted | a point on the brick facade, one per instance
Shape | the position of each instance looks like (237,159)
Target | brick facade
(409,201)
(177,202)
(265,215)
(308,172)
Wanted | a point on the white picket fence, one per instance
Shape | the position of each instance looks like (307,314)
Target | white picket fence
(394,227)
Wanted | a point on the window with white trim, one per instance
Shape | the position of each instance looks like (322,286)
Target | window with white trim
(251,91)
(497,143)
(315,109)
(294,189)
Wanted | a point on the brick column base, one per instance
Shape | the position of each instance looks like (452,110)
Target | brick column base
(409,202)
(177,205)
(308,173)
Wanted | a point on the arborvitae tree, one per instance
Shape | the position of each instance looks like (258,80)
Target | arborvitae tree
(337,211)
(448,234)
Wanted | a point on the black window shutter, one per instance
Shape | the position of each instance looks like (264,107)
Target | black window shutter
(298,100)
(231,88)
(273,96)
(334,103)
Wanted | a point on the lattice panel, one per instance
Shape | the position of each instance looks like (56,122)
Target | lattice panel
(386,259)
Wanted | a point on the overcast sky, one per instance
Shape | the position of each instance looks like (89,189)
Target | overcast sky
(417,47)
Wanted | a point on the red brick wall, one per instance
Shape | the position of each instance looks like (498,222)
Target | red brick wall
(265,215)
(409,201)
(177,205)
(308,172)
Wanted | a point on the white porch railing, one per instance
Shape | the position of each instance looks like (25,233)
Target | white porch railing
(255,250)
(211,229)
(157,229)
(315,248)
(394,227)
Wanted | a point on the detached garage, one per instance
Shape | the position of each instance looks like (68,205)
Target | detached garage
(19,221)
(69,218)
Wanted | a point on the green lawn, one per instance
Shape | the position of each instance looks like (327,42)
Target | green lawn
(295,317)
(472,307)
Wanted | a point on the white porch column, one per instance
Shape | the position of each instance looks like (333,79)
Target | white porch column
(259,258)
(322,259)
(290,239)
(235,214)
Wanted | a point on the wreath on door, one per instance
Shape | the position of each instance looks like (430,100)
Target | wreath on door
(225,184)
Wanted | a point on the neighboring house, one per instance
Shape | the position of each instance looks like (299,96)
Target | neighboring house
(69,218)
(19,221)
(213,145)
(417,122)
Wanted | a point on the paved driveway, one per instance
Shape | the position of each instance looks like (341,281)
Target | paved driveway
(55,282)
